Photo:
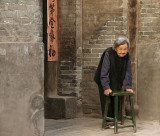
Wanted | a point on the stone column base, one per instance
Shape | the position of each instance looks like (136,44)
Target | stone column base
(60,107)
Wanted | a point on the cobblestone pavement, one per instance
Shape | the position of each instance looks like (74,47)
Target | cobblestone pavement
(92,127)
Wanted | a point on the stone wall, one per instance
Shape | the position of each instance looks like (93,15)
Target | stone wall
(21,70)
(149,59)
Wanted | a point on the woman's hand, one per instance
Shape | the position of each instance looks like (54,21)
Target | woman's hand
(129,90)
(107,92)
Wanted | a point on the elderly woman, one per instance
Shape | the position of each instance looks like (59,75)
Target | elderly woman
(115,72)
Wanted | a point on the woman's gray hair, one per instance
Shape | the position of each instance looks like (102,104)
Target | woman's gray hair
(120,41)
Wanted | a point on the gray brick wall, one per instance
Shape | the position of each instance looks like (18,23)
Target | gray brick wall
(100,28)
(67,75)
(70,50)
(101,39)
(21,21)
(149,21)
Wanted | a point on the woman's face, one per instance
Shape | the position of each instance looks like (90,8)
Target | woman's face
(122,50)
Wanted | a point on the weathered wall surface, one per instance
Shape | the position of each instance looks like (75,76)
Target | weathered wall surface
(67,47)
(21,70)
(70,49)
(149,59)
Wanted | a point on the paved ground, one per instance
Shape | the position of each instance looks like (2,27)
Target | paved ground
(92,127)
